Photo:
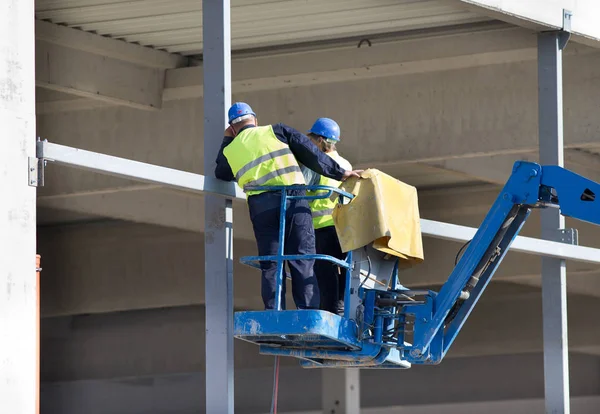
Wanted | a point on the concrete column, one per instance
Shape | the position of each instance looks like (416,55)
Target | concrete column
(341,391)
(18,288)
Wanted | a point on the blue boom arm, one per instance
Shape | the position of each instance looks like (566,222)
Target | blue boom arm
(439,319)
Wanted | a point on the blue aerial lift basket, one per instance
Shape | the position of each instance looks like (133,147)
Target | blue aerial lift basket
(394,327)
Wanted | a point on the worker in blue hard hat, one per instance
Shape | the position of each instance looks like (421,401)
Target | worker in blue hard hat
(270,155)
(325,134)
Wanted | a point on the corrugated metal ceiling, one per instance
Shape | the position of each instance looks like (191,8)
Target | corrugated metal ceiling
(176,25)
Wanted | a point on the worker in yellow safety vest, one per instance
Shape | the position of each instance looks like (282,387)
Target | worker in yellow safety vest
(325,133)
(269,155)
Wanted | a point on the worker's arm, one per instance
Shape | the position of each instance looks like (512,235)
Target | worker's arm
(223,169)
(308,154)
(310,177)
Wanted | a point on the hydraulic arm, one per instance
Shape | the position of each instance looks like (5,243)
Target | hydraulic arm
(393,327)
(439,319)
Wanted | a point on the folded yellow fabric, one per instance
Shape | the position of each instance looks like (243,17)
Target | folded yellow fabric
(385,212)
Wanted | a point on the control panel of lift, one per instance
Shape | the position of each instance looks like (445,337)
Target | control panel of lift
(386,325)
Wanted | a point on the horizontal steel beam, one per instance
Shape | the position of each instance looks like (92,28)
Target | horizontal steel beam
(521,244)
(197,183)
(135,170)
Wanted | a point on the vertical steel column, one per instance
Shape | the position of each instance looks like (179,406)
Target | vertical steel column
(18,287)
(554,289)
(340,391)
(218,215)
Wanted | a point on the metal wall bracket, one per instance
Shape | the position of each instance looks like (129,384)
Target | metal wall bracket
(36,172)
(567,236)
(565,33)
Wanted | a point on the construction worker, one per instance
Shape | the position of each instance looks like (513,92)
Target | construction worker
(325,133)
(269,155)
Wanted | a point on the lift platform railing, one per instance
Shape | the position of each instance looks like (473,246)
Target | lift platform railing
(321,193)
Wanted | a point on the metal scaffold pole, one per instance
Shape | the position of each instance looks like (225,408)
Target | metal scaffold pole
(218,216)
(554,288)
(18,287)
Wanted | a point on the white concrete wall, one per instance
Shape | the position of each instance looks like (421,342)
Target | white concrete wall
(18,285)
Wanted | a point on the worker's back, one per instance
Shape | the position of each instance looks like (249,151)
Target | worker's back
(258,158)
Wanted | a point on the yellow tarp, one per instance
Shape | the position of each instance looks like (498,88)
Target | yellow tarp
(385,212)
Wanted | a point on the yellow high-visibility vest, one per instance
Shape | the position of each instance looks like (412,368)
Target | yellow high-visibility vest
(258,158)
(322,208)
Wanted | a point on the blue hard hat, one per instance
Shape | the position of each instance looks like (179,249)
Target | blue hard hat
(239,109)
(326,128)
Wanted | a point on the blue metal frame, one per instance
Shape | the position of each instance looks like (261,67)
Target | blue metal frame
(280,258)
(377,339)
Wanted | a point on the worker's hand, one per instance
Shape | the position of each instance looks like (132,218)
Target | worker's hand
(229,132)
(348,174)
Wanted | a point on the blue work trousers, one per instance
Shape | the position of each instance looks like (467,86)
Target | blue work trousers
(299,239)
(331,278)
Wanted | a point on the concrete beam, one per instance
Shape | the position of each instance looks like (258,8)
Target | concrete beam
(71,103)
(496,169)
(183,84)
(501,325)
(455,49)
(125,132)
(113,266)
(98,77)
(404,55)
(509,378)
(97,71)
(50,101)
(148,204)
(513,384)
(424,122)
(158,392)
(162,341)
(581,159)
(107,47)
